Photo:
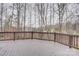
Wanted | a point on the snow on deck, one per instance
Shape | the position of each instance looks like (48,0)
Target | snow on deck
(35,48)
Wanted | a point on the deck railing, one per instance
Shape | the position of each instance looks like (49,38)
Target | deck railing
(66,39)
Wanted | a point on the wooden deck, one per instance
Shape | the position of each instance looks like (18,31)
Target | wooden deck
(66,39)
(35,48)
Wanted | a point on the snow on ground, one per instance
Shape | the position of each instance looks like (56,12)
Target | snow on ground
(35,48)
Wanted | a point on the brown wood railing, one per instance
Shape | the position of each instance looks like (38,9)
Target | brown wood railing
(66,39)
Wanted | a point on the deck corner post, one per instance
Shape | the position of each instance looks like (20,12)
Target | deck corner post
(70,41)
(54,37)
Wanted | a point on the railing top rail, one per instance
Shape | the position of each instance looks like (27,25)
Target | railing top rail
(42,33)
(68,34)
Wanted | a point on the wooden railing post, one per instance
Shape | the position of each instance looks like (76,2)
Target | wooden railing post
(32,35)
(54,37)
(14,36)
(70,41)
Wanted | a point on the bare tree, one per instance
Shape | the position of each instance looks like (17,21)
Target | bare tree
(1,16)
(18,16)
(24,15)
(61,7)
